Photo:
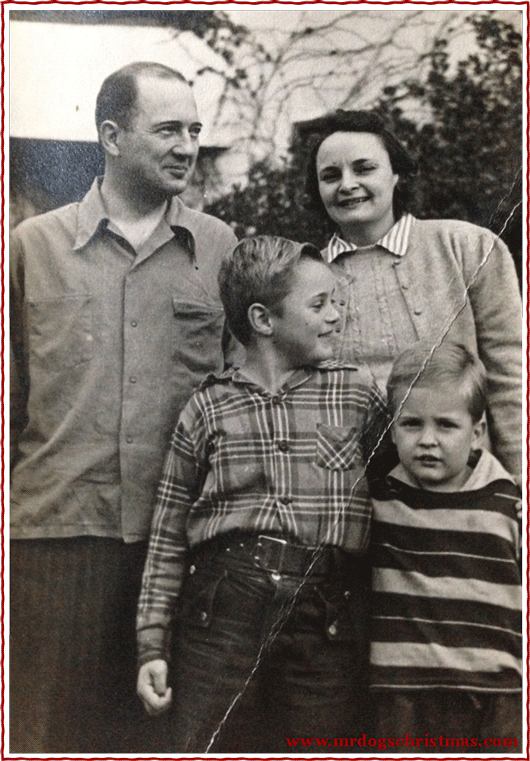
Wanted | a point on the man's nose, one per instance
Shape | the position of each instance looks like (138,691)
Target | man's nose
(184,144)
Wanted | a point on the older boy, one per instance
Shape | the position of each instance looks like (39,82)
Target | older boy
(263,518)
(446,642)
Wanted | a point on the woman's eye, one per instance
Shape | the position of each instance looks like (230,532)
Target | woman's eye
(365,169)
(329,177)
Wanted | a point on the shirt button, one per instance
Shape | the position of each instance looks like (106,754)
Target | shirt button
(417,310)
(134,323)
(133,379)
(286,500)
(276,400)
(192,569)
(404,286)
(129,439)
(204,615)
(275,576)
(332,630)
(283,446)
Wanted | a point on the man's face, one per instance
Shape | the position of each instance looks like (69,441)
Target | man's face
(159,148)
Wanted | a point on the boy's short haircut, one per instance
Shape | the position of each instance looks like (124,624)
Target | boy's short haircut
(423,366)
(260,270)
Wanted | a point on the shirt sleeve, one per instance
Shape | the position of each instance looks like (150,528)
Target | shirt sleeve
(496,303)
(18,366)
(166,556)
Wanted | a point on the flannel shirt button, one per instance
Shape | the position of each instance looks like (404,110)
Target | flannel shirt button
(332,629)
(192,569)
(286,500)
(275,576)
(276,400)
(204,615)
(283,446)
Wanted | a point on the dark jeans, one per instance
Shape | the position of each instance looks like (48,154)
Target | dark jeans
(262,658)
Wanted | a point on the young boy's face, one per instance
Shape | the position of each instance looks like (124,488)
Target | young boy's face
(304,324)
(434,435)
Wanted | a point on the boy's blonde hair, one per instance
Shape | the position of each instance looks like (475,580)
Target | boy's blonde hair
(426,366)
(260,270)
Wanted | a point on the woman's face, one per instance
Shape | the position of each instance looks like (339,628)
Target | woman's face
(356,184)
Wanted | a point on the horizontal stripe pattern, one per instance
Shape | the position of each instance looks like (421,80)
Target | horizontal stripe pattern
(447,591)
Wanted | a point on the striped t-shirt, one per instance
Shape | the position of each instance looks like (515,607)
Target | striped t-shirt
(447,585)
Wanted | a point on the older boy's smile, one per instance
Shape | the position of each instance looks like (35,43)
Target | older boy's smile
(304,322)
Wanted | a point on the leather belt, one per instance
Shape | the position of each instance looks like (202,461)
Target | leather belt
(274,554)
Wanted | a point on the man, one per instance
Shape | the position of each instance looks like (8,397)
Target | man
(116,319)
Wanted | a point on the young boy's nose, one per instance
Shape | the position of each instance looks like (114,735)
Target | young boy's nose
(427,436)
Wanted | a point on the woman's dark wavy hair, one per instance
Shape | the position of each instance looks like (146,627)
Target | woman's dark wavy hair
(317,130)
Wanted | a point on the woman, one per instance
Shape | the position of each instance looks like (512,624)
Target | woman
(402,279)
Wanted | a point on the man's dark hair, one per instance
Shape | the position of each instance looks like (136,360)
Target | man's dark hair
(401,161)
(116,99)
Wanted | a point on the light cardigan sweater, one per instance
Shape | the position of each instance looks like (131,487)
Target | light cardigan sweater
(457,282)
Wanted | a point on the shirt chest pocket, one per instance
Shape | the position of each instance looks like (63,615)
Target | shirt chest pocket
(338,447)
(61,331)
(198,333)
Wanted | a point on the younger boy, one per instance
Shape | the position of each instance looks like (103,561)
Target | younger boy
(262,522)
(446,641)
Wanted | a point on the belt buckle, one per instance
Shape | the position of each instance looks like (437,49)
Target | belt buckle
(272,540)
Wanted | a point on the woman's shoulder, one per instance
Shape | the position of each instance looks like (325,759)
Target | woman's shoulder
(451,226)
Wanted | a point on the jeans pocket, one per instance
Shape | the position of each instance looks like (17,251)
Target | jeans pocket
(198,599)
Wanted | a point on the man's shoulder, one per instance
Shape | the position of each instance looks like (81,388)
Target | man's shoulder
(202,224)
(47,221)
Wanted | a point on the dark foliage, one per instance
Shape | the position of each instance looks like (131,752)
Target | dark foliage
(469,150)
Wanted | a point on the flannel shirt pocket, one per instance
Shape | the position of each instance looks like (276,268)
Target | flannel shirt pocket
(337,447)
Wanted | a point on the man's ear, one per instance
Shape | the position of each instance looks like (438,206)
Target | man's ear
(108,135)
(260,319)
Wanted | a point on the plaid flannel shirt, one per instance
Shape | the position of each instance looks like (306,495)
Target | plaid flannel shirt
(241,458)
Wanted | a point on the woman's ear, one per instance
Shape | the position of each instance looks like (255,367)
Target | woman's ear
(260,319)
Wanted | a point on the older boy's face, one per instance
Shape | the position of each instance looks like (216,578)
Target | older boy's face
(434,435)
(305,322)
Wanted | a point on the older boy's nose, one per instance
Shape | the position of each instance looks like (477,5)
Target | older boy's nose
(332,315)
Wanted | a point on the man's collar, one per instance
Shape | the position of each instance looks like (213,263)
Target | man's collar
(396,240)
(184,222)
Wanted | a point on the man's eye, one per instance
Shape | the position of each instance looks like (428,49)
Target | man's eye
(195,131)
(166,131)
